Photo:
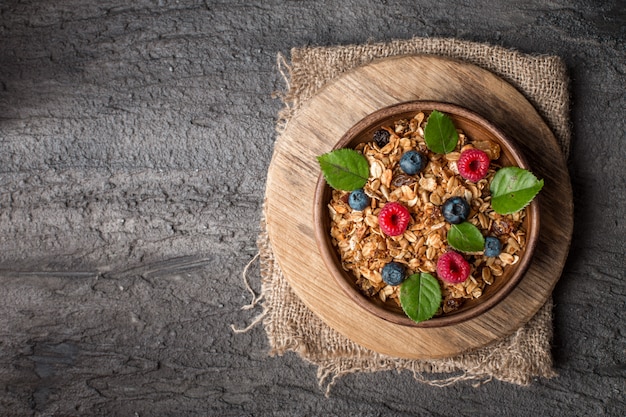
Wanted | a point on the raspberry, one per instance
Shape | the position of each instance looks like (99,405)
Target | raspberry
(473,164)
(393,219)
(453,268)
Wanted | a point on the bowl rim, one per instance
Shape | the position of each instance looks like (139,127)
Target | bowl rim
(328,253)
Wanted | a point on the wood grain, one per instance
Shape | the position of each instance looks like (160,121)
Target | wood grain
(319,124)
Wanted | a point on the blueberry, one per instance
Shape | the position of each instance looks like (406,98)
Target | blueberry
(381,137)
(358,200)
(393,273)
(455,210)
(493,247)
(412,162)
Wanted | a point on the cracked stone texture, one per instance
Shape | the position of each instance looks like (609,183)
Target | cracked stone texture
(134,143)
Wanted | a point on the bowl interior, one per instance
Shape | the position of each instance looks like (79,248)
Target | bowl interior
(476,128)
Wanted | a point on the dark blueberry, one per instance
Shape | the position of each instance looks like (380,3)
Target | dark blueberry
(358,200)
(381,137)
(413,162)
(493,247)
(393,273)
(455,210)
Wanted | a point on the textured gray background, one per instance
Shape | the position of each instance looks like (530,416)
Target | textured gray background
(134,143)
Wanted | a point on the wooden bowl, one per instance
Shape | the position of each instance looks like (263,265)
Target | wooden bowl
(475,127)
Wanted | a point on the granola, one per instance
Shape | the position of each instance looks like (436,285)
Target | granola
(364,250)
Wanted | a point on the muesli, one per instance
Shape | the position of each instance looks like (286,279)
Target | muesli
(426,212)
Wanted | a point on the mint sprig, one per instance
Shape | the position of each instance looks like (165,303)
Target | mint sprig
(344,169)
(440,133)
(512,189)
(420,296)
(466,237)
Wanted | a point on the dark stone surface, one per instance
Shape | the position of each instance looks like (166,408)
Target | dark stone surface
(134,143)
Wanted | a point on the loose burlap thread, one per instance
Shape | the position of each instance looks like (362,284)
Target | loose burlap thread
(291,326)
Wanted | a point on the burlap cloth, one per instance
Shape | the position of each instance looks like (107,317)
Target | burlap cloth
(291,326)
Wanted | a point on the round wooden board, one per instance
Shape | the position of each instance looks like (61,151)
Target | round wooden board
(319,124)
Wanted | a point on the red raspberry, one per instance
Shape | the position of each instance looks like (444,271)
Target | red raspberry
(453,268)
(473,164)
(393,219)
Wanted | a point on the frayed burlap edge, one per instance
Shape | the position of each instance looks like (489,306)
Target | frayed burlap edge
(291,326)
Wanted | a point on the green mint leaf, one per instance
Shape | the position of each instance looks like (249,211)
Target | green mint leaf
(344,169)
(420,296)
(466,237)
(440,134)
(512,189)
